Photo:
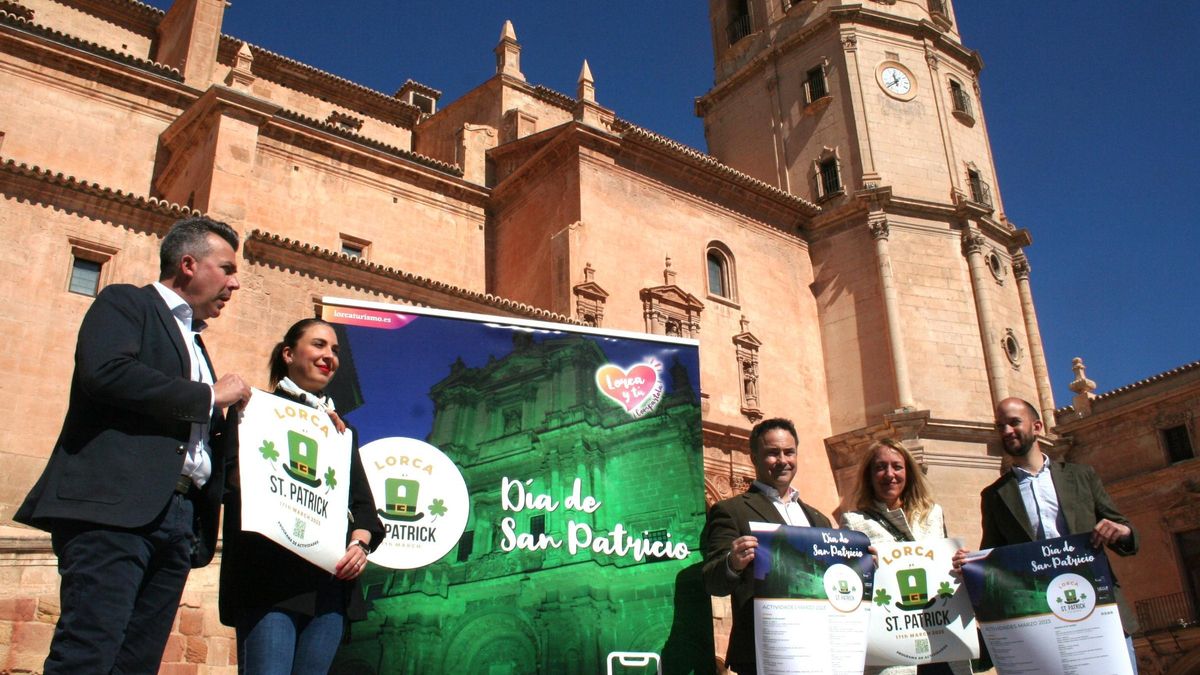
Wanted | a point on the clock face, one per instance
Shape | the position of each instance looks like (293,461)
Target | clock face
(895,81)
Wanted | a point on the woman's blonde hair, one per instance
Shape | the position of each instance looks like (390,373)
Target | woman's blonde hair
(916,498)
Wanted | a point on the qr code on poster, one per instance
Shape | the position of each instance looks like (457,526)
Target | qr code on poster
(922,645)
(298,529)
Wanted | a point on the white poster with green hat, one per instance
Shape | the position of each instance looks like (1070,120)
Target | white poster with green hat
(920,611)
(295,478)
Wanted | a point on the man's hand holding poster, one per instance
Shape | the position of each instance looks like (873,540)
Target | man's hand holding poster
(812,593)
(1048,607)
(295,478)
(920,613)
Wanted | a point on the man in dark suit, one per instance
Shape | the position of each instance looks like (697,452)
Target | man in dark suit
(132,489)
(1041,499)
(729,547)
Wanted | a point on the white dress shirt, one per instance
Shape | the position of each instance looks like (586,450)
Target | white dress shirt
(198,463)
(1041,501)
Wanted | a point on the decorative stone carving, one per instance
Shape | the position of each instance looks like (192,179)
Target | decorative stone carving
(973,242)
(1083,387)
(589,298)
(746,348)
(879,227)
(1020,266)
(670,310)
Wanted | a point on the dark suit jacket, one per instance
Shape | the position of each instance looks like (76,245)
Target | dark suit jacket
(257,574)
(728,520)
(124,439)
(1082,500)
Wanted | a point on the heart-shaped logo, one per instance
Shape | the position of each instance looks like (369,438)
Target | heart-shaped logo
(629,388)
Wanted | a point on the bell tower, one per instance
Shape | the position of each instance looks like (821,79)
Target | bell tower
(872,111)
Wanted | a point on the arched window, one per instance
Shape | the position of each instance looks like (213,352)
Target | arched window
(719,266)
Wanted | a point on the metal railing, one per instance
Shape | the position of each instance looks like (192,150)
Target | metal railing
(1165,611)
(962,102)
(980,192)
(738,28)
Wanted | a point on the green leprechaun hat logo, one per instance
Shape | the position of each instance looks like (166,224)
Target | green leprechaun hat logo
(302,459)
(401,501)
(914,589)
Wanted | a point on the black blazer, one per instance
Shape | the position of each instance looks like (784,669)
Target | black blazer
(257,574)
(132,406)
(1083,502)
(728,520)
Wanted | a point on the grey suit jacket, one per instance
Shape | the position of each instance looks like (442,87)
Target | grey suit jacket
(1083,502)
(728,520)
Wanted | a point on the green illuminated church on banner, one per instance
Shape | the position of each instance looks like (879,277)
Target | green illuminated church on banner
(536,421)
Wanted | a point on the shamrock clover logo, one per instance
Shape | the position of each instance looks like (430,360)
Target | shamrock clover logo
(944,591)
(330,479)
(268,451)
(882,598)
(438,508)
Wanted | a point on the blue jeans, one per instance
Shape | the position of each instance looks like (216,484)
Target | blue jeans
(286,643)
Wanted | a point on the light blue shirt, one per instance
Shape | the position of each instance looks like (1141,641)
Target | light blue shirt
(1041,501)
(198,463)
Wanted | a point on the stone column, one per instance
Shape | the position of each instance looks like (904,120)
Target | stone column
(973,243)
(891,307)
(1041,374)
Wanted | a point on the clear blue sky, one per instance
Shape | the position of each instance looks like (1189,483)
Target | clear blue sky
(1092,111)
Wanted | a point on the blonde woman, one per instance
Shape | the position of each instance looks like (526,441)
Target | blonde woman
(894,503)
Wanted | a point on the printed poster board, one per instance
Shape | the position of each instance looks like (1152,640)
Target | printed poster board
(812,595)
(921,612)
(542,487)
(1048,607)
(295,478)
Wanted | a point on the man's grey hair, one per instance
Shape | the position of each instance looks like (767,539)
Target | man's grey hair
(190,237)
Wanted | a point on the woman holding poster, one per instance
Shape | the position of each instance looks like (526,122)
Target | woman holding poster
(289,614)
(894,504)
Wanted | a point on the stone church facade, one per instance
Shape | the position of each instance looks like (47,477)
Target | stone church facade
(842,254)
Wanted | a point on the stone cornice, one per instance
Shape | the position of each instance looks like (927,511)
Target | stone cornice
(274,249)
(315,82)
(167,212)
(136,16)
(921,29)
(16,9)
(413,85)
(636,135)
(436,165)
(12,24)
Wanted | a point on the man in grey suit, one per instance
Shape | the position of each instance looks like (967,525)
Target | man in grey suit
(728,546)
(1041,499)
(132,489)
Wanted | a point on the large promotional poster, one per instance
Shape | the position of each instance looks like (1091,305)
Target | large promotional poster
(812,591)
(542,489)
(1048,607)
